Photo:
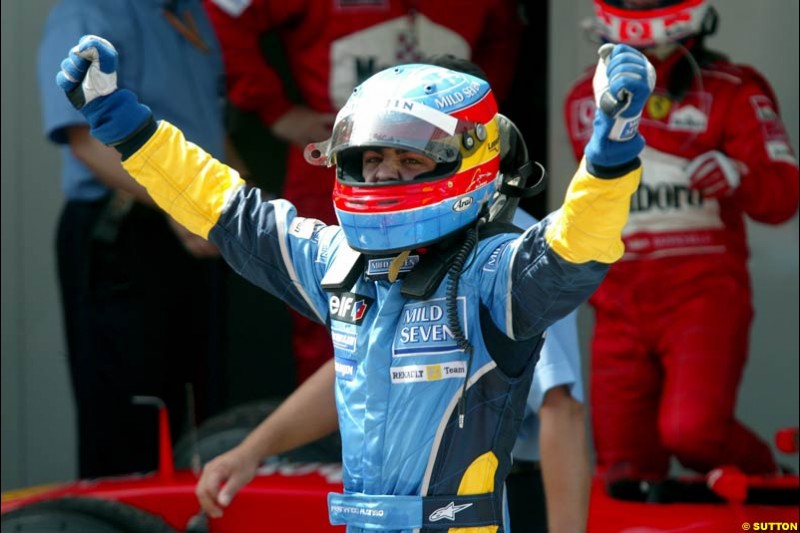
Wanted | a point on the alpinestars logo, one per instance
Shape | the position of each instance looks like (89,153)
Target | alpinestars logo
(448,512)
(349,307)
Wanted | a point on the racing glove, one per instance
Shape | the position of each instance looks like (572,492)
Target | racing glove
(89,78)
(714,174)
(622,83)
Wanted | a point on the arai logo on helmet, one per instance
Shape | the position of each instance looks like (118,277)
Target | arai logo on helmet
(462,204)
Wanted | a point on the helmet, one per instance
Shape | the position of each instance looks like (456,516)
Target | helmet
(649,23)
(448,116)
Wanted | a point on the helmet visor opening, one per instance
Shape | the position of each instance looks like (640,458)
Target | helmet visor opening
(351,168)
(399,124)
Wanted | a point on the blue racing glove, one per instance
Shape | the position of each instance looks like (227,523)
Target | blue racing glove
(89,78)
(622,83)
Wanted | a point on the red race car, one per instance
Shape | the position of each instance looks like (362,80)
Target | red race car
(290,494)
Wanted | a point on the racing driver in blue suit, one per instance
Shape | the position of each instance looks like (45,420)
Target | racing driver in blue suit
(436,312)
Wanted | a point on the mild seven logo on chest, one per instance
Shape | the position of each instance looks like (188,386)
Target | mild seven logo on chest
(423,328)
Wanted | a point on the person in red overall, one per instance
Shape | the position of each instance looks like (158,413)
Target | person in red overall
(673,317)
(331,46)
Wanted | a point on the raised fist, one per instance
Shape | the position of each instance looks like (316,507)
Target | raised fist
(88,76)
(622,83)
(89,71)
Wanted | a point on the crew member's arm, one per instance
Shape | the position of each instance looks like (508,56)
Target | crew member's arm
(104,162)
(757,166)
(556,398)
(307,415)
(263,241)
(564,460)
(253,84)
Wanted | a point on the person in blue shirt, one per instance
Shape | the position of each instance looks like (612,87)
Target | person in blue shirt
(126,270)
(437,313)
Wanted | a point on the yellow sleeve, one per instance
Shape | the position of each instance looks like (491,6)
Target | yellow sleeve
(589,225)
(183,179)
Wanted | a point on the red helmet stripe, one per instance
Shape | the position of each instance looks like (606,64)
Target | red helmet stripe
(406,195)
(481,111)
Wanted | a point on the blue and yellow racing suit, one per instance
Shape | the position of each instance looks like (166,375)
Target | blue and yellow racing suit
(400,370)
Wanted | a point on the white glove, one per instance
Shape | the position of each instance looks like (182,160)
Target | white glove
(714,174)
(88,76)
(91,68)
(623,80)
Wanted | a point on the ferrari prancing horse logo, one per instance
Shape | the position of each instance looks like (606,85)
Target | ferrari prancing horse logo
(658,106)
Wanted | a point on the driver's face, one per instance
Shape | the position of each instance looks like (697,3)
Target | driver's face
(391,164)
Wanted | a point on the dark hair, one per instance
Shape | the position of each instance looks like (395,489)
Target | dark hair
(698,57)
(683,73)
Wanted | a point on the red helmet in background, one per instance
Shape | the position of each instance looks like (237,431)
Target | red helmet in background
(650,23)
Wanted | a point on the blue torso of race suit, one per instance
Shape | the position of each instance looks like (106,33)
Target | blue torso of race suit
(399,369)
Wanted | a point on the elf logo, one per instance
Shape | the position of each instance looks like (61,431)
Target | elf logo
(349,307)
(462,204)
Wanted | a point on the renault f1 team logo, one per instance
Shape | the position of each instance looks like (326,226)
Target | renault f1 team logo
(349,307)
(448,512)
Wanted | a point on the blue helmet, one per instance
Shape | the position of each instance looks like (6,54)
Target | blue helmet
(447,116)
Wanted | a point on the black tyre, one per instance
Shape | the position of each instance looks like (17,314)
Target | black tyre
(82,515)
(221,433)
